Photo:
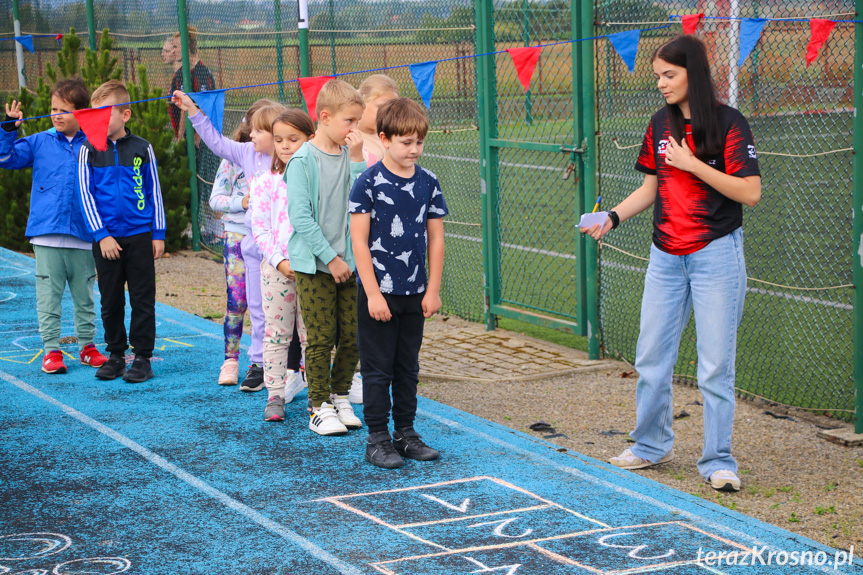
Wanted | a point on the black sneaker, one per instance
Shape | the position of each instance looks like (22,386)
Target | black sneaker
(407,442)
(380,451)
(254,379)
(113,368)
(140,370)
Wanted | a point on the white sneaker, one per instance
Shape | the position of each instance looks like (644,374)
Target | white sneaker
(628,460)
(293,385)
(356,392)
(229,373)
(724,480)
(325,421)
(345,411)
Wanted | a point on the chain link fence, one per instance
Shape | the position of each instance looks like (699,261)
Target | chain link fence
(795,344)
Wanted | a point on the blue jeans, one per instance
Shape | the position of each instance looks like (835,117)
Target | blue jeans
(712,282)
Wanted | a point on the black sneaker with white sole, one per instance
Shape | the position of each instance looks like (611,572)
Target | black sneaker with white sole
(254,379)
(407,442)
(140,370)
(380,451)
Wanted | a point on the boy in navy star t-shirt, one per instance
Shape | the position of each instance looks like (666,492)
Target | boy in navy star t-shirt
(396,219)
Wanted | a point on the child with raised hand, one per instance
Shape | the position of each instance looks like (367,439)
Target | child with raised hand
(396,218)
(55,227)
(319,177)
(272,230)
(122,206)
(230,195)
(254,158)
(375,90)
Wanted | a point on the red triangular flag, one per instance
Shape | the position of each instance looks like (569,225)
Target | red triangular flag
(820,31)
(94,124)
(310,88)
(690,22)
(525,60)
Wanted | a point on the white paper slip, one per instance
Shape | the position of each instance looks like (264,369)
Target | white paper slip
(590,220)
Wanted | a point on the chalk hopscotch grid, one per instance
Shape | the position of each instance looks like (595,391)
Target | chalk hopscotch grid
(381,566)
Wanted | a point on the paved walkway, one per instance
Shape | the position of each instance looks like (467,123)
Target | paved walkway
(456,350)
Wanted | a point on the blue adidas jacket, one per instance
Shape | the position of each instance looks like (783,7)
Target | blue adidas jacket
(54,206)
(119,189)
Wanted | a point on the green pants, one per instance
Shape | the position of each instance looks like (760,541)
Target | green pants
(55,267)
(330,313)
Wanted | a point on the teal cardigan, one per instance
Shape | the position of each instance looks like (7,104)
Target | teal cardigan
(307,241)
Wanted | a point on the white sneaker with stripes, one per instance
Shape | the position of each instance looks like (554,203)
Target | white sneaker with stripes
(325,421)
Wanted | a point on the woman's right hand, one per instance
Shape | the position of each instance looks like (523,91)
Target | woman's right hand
(595,231)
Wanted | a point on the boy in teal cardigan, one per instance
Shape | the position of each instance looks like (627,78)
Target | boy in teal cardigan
(319,178)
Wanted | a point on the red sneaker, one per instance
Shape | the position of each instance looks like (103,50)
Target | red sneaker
(53,362)
(91,356)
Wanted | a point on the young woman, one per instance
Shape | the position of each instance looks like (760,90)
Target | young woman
(699,164)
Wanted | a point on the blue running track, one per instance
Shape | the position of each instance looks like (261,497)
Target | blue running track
(181,476)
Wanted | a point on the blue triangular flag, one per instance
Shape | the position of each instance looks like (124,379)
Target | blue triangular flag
(626,45)
(750,33)
(211,103)
(26,41)
(423,76)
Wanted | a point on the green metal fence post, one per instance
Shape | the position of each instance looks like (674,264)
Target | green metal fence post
(528,104)
(19,49)
(91,25)
(588,173)
(333,36)
(857,211)
(303,27)
(182,18)
(486,82)
(280,75)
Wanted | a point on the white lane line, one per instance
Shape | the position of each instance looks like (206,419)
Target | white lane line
(760,291)
(622,490)
(224,499)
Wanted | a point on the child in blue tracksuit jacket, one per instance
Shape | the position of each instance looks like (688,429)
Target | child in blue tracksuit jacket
(122,206)
(55,226)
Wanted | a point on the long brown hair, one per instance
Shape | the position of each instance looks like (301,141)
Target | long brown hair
(243,132)
(298,120)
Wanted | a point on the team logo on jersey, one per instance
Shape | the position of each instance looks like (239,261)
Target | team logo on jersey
(663,144)
(751,150)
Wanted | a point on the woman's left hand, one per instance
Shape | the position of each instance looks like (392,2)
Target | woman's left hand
(680,156)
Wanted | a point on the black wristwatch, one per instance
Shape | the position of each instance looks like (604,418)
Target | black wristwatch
(615,219)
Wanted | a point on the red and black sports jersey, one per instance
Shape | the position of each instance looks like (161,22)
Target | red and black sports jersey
(688,213)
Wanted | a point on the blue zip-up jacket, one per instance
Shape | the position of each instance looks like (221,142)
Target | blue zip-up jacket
(53,202)
(119,189)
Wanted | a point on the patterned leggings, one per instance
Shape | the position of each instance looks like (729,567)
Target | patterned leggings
(235,275)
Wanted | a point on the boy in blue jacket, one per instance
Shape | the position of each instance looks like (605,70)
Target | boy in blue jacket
(55,227)
(122,206)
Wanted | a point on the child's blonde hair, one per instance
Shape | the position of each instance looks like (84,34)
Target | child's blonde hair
(336,95)
(110,88)
(243,132)
(298,120)
(377,85)
(264,117)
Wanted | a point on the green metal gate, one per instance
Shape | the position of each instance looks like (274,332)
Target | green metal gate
(538,166)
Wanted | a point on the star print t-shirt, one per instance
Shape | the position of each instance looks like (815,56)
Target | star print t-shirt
(399,208)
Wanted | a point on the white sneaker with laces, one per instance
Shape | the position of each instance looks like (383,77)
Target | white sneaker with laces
(325,421)
(293,385)
(724,480)
(356,392)
(345,411)
(628,460)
